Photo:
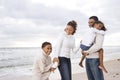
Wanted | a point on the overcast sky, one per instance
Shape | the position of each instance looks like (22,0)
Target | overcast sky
(27,23)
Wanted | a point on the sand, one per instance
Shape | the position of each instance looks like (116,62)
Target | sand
(113,71)
(112,66)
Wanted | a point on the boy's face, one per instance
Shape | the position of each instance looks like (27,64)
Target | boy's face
(98,26)
(91,22)
(47,49)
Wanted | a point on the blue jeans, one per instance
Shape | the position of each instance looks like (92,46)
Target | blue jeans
(92,69)
(65,68)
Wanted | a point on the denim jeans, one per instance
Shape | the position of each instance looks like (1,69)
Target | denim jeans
(65,68)
(92,69)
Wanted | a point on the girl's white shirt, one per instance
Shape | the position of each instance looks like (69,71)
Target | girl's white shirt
(65,45)
(89,36)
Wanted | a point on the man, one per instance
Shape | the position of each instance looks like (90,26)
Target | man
(92,59)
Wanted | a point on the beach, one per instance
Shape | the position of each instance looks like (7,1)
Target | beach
(113,71)
(112,66)
(14,67)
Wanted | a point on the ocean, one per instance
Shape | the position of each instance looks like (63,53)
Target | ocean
(19,60)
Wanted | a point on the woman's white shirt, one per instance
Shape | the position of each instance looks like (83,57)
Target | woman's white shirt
(65,46)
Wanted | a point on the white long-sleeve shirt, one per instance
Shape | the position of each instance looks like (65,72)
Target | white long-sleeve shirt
(41,66)
(89,36)
(65,46)
(97,45)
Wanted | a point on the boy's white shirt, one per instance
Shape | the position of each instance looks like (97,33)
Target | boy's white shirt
(89,36)
(41,66)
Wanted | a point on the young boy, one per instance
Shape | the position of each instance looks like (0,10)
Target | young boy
(43,64)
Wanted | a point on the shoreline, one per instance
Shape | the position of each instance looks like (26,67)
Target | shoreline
(111,66)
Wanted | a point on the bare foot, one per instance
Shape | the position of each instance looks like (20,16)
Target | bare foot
(103,69)
(80,64)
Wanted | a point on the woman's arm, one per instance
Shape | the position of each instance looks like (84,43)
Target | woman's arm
(57,50)
(59,45)
(97,45)
(75,48)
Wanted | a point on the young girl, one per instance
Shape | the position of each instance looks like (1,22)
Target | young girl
(88,39)
(43,64)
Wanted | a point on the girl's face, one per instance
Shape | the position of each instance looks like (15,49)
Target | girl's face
(69,30)
(47,49)
(98,26)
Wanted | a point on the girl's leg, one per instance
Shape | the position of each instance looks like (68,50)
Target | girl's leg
(101,66)
(81,61)
(65,68)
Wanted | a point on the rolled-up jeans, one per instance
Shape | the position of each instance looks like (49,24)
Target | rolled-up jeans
(92,69)
(65,68)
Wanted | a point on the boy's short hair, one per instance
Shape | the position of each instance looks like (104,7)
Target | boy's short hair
(45,44)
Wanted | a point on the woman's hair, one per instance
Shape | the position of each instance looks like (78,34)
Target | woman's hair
(94,17)
(100,22)
(45,44)
(73,24)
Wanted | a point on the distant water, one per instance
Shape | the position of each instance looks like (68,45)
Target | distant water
(20,60)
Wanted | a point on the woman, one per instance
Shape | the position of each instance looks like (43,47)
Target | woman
(66,44)
(92,56)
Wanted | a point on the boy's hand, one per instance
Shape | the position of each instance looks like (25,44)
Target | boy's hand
(55,60)
(52,69)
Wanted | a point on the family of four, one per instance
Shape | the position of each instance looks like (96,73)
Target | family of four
(91,49)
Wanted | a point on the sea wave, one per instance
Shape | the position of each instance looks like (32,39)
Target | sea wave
(21,59)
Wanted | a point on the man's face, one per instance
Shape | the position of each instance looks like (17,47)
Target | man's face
(90,22)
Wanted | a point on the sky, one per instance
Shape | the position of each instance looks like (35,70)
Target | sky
(28,23)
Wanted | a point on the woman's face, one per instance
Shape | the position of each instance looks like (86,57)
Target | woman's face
(91,22)
(47,49)
(69,30)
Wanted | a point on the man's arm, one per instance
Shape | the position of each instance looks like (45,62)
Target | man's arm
(97,45)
